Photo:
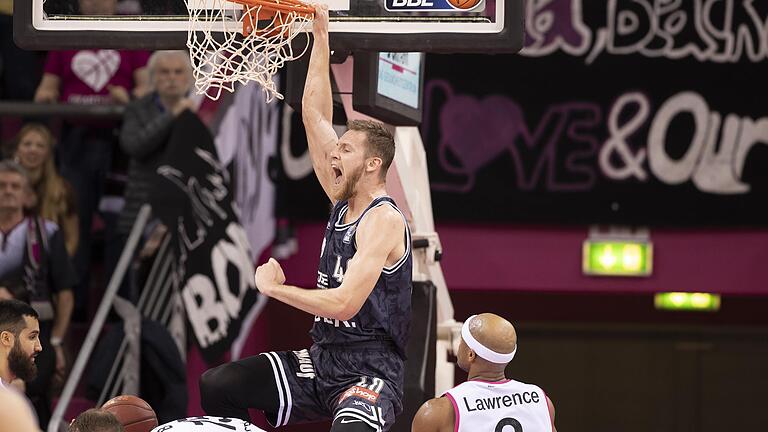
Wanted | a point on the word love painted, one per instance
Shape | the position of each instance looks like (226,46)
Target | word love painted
(478,131)
(571,146)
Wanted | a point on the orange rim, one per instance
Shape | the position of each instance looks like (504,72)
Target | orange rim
(280,6)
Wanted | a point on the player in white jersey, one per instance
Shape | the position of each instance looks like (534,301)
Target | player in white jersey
(487,402)
(207,424)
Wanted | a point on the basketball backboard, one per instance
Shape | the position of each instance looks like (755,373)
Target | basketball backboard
(450,26)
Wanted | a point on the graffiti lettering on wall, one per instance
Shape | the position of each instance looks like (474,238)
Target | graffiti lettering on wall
(720,31)
(715,157)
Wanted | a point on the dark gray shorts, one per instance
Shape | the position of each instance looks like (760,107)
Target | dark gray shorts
(354,385)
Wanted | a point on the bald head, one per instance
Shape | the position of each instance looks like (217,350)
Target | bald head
(494,332)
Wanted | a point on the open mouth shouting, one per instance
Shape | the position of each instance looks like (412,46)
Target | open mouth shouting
(338,175)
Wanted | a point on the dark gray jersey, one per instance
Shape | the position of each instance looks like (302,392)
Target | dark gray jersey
(386,314)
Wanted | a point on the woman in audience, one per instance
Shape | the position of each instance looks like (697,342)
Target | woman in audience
(54,197)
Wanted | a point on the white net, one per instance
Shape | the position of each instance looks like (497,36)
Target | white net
(231,43)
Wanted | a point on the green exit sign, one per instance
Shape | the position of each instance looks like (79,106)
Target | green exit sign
(617,258)
(687,301)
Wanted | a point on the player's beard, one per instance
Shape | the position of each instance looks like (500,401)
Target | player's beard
(349,186)
(20,364)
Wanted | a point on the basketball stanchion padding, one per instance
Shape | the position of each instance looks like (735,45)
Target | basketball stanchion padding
(420,365)
(254,44)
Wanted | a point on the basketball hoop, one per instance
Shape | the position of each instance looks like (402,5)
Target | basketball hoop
(253,43)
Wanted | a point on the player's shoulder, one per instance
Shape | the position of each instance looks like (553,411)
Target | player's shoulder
(434,415)
(383,223)
(439,405)
(384,215)
(16,412)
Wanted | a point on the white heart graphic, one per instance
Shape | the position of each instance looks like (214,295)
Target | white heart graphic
(96,68)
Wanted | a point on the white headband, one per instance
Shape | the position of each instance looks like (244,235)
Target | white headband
(483,351)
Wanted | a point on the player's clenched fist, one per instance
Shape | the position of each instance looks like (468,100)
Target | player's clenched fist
(268,276)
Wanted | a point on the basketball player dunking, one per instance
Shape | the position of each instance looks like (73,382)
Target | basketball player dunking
(487,401)
(353,373)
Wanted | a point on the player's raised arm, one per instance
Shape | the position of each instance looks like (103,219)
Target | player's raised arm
(317,103)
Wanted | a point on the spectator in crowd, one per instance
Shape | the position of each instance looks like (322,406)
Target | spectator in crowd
(53,195)
(93,76)
(96,420)
(147,125)
(33,250)
(85,152)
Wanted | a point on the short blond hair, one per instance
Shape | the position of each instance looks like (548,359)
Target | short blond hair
(96,420)
(380,142)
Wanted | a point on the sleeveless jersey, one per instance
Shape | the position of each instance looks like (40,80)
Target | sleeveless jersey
(506,406)
(386,314)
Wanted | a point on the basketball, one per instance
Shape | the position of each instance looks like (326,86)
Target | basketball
(464,4)
(134,413)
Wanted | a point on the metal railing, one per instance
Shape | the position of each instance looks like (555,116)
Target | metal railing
(159,301)
(132,330)
(60,110)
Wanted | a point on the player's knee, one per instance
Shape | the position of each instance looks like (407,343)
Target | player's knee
(350,424)
(214,384)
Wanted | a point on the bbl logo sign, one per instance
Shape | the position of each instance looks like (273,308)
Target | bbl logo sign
(435,5)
